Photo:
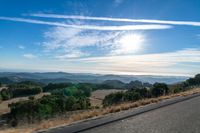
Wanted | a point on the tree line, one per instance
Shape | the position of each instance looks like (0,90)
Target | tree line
(158,89)
(20,89)
(135,94)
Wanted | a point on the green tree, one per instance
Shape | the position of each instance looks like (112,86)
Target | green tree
(86,89)
(6,94)
(159,89)
(51,87)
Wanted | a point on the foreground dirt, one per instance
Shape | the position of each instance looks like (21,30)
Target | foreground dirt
(94,113)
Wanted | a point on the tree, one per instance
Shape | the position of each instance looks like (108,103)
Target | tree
(86,88)
(159,89)
(51,87)
(6,94)
(193,81)
(0,84)
(113,98)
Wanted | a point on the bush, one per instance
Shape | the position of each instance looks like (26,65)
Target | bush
(131,95)
(114,98)
(159,89)
(6,94)
(193,81)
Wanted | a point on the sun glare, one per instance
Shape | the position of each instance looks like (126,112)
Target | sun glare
(130,43)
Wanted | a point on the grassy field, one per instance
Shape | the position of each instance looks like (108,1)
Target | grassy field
(4,104)
(98,96)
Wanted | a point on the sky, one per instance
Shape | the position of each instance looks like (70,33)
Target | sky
(131,37)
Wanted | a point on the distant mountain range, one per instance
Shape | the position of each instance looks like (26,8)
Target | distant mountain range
(60,77)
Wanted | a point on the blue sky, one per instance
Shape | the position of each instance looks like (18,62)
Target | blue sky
(151,37)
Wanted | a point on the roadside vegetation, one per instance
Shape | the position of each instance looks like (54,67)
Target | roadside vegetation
(62,98)
(68,97)
(158,89)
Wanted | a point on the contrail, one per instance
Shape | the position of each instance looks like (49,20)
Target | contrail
(90,27)
(189,23)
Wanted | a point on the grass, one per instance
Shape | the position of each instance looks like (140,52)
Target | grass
(94,113)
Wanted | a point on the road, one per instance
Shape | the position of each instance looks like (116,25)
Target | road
(177,115)
(183,117)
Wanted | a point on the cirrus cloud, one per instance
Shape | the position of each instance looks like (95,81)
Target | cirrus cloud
(30,56)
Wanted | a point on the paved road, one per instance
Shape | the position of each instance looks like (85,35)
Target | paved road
(183,117)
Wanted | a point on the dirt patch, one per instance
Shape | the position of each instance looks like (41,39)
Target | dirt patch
(98,96)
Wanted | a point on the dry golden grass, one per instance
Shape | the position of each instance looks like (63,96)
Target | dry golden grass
(93,113)
(17,131)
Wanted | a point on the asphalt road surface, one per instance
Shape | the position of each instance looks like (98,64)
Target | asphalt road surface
(182,117)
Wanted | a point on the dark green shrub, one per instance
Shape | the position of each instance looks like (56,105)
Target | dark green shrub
(6,94)
(159,89)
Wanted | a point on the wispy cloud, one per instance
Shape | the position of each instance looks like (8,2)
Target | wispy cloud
(190,23)
(30,56)
(181,62)
(185,55)
(118,2)
(21,47)
(90,27)
(173,63)
(72,54)
(70,42)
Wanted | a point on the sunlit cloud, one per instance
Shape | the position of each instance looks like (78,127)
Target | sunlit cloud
(69,42)
(128,44)
(168,22)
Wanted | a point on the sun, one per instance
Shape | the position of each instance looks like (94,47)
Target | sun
(130,43)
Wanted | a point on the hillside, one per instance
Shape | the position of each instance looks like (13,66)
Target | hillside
(59,77)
